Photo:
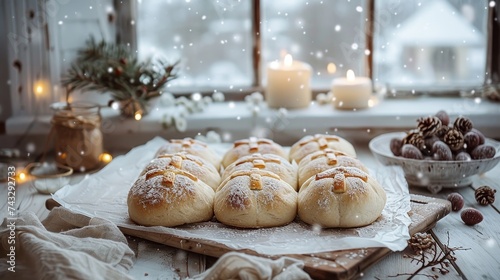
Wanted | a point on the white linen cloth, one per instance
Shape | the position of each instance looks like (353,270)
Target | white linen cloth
(66,246)
(241,266)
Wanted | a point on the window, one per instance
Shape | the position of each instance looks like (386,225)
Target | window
(214,40)
(320,33)
(417,45)
(211,39)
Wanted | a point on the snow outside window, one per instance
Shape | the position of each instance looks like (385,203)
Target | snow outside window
(430,45)
(213,39)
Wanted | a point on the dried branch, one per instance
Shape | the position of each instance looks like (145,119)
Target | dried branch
(427,255)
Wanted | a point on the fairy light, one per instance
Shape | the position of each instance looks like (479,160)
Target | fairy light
(22,176)
(40,88)
(331,68)
(105,157)
(138,116)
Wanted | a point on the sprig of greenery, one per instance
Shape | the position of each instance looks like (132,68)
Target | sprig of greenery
(115,69)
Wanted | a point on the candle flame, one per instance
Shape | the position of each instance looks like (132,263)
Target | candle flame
(350,75)
(288,60)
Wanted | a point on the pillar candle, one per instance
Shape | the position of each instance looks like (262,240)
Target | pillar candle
(351,92)
(288,84)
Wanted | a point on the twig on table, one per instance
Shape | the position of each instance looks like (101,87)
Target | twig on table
(426,254)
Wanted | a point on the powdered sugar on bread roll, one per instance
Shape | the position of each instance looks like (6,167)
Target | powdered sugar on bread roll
(325,159)
(341,197)
(195,165)
(251,146)
(169,197)
(254,199)
(193,147)
(274,163)
(310,144)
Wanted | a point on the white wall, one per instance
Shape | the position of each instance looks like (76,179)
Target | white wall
(43,36)
(5,111)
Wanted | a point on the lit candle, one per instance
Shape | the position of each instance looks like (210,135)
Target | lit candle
(351,92)
(288,84)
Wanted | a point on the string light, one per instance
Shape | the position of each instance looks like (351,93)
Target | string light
(331,68)
(105,157)
(138,116)
(40,88)
(22,176)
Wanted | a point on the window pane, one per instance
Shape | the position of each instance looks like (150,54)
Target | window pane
(212,40)
(316,32)
(430,44)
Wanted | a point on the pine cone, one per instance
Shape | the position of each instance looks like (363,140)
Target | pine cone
(463,124)
(421,242)
(454,139)
(428,126)
(415,138)
(441,132)
(485,195)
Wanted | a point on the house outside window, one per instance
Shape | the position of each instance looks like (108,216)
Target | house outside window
(431,45)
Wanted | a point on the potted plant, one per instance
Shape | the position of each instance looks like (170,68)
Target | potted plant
(115,69)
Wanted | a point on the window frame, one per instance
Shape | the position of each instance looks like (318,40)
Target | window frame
(127,10)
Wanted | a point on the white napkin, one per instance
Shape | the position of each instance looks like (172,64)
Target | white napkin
(235,265)
(62,250)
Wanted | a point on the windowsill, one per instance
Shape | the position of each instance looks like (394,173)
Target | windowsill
(238,120)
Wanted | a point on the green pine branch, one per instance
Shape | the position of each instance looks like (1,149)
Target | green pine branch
(114,69)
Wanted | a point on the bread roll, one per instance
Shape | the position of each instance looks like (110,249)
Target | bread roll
(254,199)
(251,146)
(341,197)
(193,147)
(310,144)
(197,166)
(276,164)
(325,159)
(170,197)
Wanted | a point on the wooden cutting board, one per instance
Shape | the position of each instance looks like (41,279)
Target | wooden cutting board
(345,264)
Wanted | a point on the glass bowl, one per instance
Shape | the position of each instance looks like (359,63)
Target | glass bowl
(432,174)
(47,178)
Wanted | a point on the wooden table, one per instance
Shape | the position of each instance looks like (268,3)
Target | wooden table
(480,260)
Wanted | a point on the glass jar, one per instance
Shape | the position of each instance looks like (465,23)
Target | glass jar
(78,138)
